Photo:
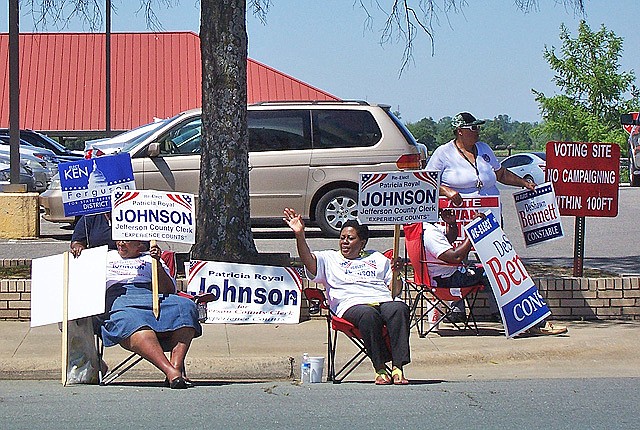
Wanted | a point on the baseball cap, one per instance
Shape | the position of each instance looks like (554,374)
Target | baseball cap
(465,119)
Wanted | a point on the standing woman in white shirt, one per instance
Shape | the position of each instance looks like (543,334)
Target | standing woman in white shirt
(469,167)
(357,283)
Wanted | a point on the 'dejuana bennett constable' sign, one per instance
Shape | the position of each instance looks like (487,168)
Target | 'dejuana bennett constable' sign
(585,177)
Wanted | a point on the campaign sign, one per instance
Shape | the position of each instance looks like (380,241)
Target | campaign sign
(538,214)
(153,215)
(468,210)
(244,293)
(398,197)
(520,304)
(87,184)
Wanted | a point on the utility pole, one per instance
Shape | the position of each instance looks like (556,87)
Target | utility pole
(107,62)
(14,92)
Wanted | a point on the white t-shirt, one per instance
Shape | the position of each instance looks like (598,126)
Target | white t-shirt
(130,270)
(435,244)
(459,173)
(360,281)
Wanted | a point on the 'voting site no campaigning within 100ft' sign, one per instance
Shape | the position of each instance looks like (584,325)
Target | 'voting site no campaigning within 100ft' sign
(87,184)
(153,215)
(398,197)
(519,301)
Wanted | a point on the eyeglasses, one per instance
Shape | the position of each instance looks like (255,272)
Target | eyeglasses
(472,127)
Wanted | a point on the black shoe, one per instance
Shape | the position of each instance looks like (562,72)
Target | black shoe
(457,317)
(178,383)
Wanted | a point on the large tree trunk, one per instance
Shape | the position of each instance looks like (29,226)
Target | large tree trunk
(223,220)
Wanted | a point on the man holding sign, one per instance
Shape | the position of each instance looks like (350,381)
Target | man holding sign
(446,263)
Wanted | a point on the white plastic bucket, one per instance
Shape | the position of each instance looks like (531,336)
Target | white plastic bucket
(433,316)
(317,368)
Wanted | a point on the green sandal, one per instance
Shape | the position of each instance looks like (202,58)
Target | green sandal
(383,378)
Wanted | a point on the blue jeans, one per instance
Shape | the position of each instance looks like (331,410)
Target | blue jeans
(470,276)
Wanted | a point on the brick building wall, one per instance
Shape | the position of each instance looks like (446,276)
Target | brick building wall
(568,298)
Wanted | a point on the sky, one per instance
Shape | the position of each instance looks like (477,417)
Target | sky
(486,59)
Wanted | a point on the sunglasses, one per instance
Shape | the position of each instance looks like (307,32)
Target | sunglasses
(472,127)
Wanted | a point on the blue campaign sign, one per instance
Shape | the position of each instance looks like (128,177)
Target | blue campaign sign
(87,184)
(524,311)
(538,214)
(521,306)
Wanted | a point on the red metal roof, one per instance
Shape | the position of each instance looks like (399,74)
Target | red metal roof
(62,80)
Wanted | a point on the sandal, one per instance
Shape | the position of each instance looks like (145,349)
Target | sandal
(383,378)
(398,377)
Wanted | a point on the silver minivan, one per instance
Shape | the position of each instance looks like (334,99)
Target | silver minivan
(304,155)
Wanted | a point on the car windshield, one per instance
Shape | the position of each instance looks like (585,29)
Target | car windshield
(53,143)
(152,128)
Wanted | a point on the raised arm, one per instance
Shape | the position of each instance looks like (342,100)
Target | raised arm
(295,223)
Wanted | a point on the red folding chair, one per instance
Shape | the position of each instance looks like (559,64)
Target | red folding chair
(317,301)
(431,297)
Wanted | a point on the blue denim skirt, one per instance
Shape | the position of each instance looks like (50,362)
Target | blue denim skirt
(129,308)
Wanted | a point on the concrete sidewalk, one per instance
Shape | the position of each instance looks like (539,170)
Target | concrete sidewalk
(265,352)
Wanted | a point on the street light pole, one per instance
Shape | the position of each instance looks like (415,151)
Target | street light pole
(108,68)
(14,92)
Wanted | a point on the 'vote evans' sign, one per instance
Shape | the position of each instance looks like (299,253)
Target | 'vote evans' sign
(538,214)
(521,305)
(87,184)
(468,209)
(153,215)
(244,293)
(398,197)
(585,177)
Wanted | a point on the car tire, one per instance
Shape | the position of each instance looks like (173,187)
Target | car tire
(635,180)
(334,208)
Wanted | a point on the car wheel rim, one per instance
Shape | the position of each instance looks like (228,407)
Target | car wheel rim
(339,210)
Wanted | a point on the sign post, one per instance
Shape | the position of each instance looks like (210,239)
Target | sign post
(585,177)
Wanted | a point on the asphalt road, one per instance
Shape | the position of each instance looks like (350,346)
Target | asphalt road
(610,243)
(605,403)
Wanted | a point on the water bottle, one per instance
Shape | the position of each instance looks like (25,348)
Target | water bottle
(305,369)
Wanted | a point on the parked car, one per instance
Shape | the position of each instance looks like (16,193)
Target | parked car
(528,165)
(304,155)
(42,174)
(46,155)
(631,125)
(26,174)
(43,141)
(97,147)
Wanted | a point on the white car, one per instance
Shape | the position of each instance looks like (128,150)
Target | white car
(97,147)
(528,165)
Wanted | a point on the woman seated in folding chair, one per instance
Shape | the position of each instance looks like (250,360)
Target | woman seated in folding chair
(357,284)
(130,321)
